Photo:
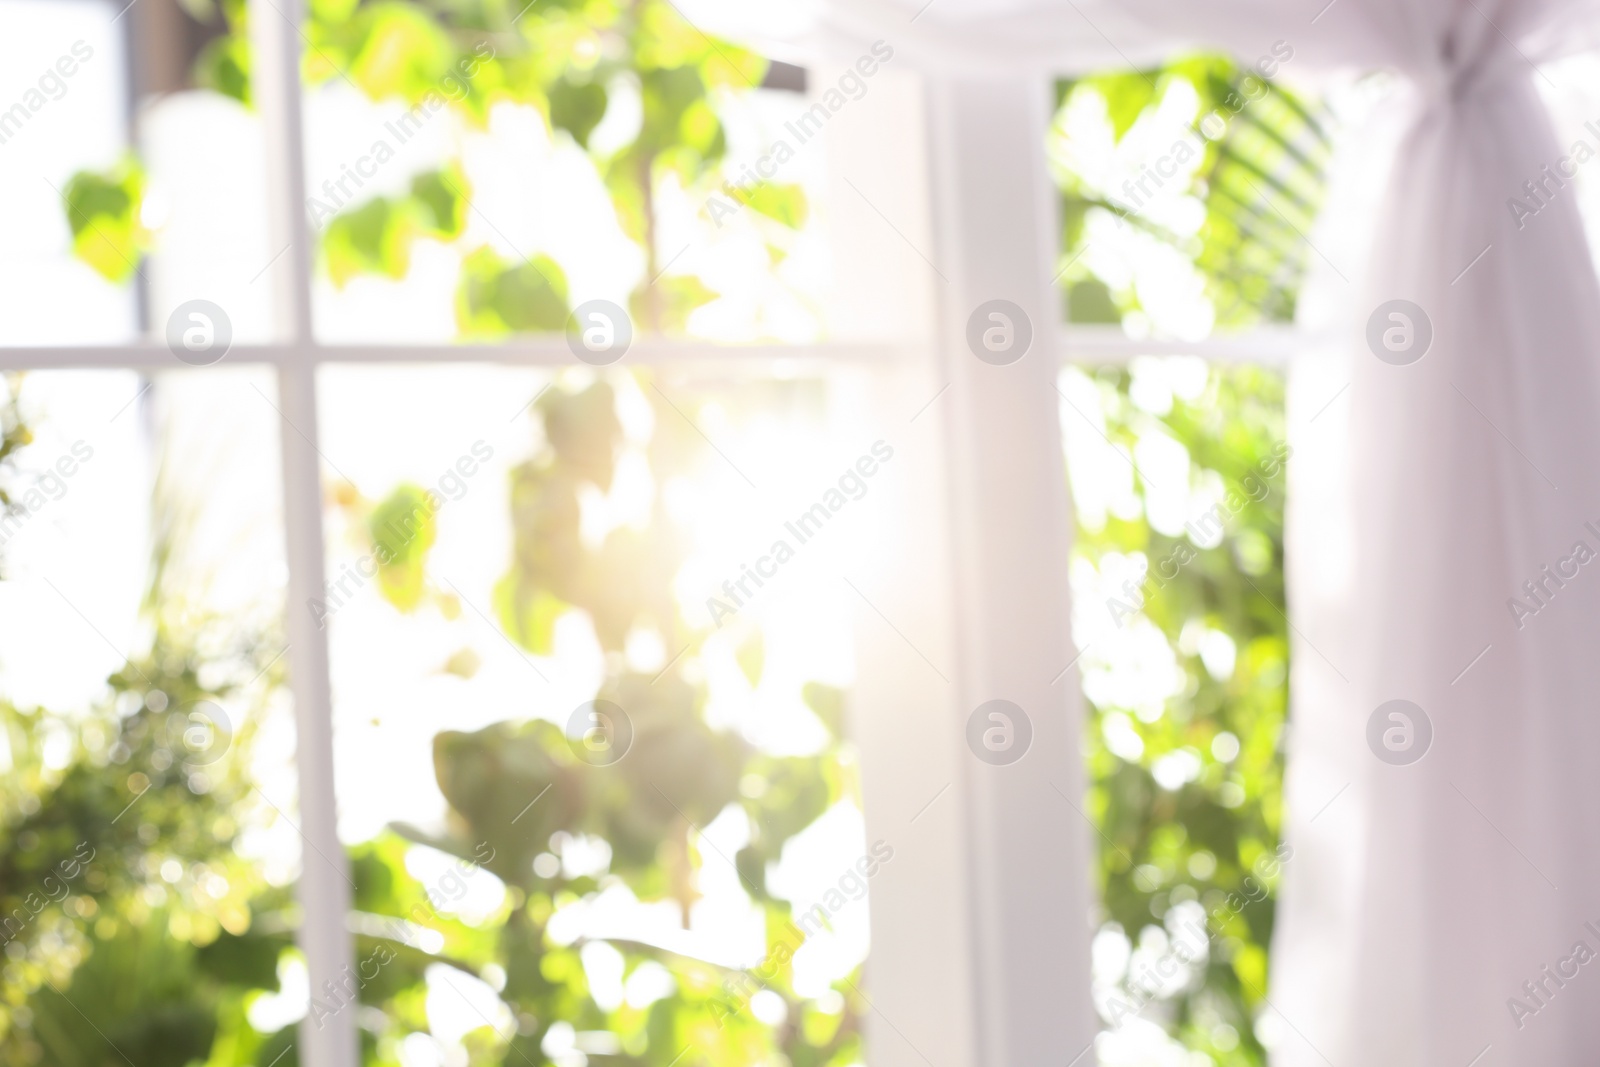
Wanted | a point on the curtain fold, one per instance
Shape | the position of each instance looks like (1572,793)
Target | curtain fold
(1426,894)
(1444,529)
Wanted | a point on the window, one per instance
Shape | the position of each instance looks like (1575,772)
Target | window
(1193,276)
(567,769)
(524,528)
(1185,190)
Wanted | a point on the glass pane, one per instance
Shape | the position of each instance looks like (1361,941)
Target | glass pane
(1188,191)
(599,803)
(63,112)
(480,169)
(1177,473)
(130,188)
(148,847)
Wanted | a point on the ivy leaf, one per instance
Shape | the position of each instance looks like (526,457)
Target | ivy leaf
(701,129)
(577,107)
(667,95)
(784,203)
(624,175)
(1126,97)
(527,613)
(617,582)
(402,530)
(678,296)
(103,212)
(1090,301)
(442,197)
(375,238)
(496,298)
(250,960)
(795,794)
(584,430)
(224,67)
(545,515)
(496,781)
(403,52)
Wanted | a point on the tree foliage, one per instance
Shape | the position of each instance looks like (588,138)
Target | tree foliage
(1188,810)
(570,60)
(521,790)
(1186,789)
(121,891)
(1186,786)
(1260,155)
(166,935)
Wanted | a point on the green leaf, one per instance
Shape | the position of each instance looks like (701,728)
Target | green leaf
(796,794)
(375,238)
(548,554)
(496,298)
(103,212)
(512,785)
(1090,301)
(584,430)
(527,613)
(442,196)
(402,531)
(250,960)
(667,95)
(677,295)
(785,203)
(404,52)
(1126,97)
(577,107)
(223,66)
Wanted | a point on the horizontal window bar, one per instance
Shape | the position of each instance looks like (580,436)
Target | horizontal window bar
(552,352)
(1268,345)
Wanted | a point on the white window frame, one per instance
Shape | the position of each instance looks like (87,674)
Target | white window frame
(976,924)
(1270,346)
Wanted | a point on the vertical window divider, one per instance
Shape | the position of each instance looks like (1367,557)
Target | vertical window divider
(326,1040)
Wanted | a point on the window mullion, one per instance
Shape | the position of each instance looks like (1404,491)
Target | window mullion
(1027,845)
(326,1039)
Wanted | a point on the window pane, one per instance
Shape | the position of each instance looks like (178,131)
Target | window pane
(1187,193)
(475,170)
(1178,477)
(63,112)
(130,188)
(148,848)
(599,803)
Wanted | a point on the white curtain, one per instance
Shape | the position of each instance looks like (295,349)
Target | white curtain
(1421,898)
